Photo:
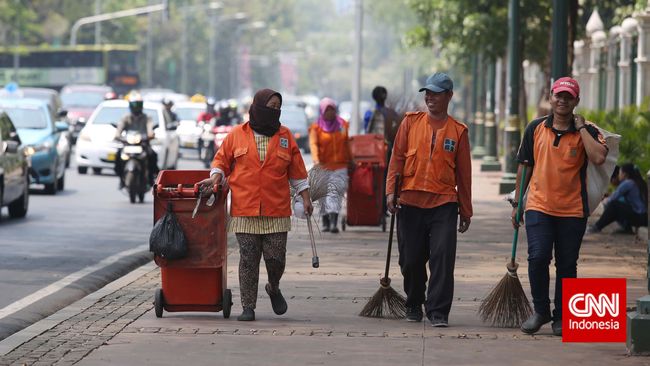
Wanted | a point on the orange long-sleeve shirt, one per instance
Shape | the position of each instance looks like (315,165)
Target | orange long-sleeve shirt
(463,170)
(330,149)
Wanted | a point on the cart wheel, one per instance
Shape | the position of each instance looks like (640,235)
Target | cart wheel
(383,223)
(344,221)
(159,303)
(227,303)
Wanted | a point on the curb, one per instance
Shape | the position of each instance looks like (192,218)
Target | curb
(15,340)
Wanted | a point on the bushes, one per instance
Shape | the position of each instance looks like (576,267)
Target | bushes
(633,124)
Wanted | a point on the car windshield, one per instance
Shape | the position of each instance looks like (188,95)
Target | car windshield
(113,115)
(188,113)
(294,119)
(28,117)
(82,99)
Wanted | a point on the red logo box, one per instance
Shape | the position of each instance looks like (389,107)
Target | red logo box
(593,309)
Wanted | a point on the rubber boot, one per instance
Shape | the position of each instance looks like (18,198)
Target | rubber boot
(326,223)
(334,218)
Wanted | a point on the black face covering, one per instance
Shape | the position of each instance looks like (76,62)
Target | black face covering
(264,120)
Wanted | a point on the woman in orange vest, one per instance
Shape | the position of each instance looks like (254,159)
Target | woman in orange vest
(261,160)
(328,140)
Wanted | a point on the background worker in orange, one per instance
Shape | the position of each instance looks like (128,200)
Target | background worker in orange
(431,153)
(261,160)
(558,147)
(328,141)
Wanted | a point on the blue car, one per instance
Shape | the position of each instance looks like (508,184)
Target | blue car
(42,139)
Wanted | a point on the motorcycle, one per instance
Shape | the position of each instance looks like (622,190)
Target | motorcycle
(135,172)
(218,134)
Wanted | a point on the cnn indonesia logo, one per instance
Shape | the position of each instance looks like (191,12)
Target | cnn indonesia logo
(592,308)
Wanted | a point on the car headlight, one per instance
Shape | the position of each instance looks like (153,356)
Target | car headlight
(124,157)
(33,149)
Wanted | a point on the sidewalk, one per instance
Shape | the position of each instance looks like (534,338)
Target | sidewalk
(117,325)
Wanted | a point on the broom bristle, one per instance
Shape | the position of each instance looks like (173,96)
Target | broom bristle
(385,303)
(507,305)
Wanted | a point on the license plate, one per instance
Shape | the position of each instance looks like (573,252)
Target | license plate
(111,156)
(189,144)
(132,149)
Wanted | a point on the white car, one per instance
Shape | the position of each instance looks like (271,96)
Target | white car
(96,147)
(189,132)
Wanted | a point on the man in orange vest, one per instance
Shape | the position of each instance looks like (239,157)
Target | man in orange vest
(431,154)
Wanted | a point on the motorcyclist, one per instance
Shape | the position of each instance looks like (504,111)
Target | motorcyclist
(172,117)
(136,120)
(209,113)
(233,112)
(224,114)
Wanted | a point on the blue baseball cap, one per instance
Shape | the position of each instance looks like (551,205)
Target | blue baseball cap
(438,82)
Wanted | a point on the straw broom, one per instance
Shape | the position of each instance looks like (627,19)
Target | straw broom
(386,302)
(507,305)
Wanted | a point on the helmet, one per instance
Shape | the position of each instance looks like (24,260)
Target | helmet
(167,102)
(135,103)
(209,104)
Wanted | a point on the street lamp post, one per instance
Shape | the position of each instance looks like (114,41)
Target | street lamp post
(559,66)
(474,105)
(185,11)
(478,151)
(512,130)
(356,80)
(234,70)
(213,44)
(110,16)
(490,161)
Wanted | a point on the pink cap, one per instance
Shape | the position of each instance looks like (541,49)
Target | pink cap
(566,84)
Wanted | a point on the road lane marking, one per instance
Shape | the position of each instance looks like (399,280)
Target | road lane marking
(65,281)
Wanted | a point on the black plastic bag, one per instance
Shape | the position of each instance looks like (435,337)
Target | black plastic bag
(167,239)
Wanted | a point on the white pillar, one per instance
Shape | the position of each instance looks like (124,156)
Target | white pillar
(643,57)
(612,46)
(578,49)
(597,43)
(629,27)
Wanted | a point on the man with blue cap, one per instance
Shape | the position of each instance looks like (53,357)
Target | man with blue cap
(432,156)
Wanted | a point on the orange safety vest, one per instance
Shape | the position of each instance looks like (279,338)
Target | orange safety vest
(330,149)
(260,188)
(427,170)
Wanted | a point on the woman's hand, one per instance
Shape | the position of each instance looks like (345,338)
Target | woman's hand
(306,202)
(206,185)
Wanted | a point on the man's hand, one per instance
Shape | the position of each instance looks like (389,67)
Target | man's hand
(393,204)
(206,185)
(463,225)
(513,218)
(578,121)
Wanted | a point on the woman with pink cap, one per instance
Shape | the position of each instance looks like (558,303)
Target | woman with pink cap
(328,140)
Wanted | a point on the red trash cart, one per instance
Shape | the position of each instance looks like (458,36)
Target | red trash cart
(365,198)
(198,281)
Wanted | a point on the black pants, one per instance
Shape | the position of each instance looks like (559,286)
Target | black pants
(622,213)
(428,235)
(545,233)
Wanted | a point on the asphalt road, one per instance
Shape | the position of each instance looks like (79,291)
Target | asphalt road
(71,244)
